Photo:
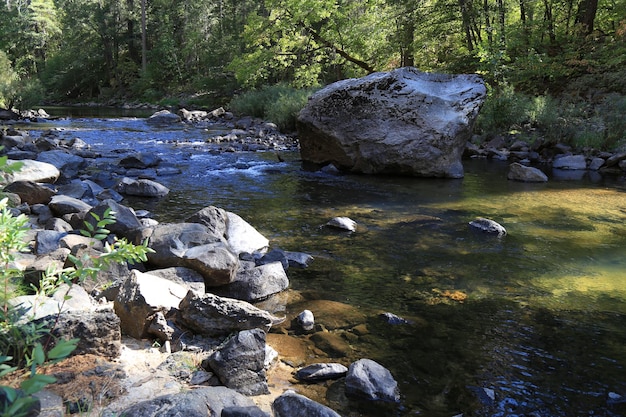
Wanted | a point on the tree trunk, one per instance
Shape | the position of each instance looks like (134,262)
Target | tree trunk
(144,48)
(133,51)
(587,15)
(501,14)
(466,25)
(549,21)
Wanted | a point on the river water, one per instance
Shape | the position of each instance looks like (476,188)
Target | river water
(531,324)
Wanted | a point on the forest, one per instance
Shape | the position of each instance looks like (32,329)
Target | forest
(534,54)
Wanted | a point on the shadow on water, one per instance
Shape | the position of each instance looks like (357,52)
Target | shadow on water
(530,324)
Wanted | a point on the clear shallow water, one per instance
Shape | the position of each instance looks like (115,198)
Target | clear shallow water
(538,316)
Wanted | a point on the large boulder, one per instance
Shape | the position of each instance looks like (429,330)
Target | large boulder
(194,246)
(98,331)
(68,164)
(291,404)
(243,237)
(212,315)
(141,296)
(239,363)
(255,283)
(163,117)
(31,192)
(371,381)
(35,171)
(400,122)
(141,188)
(197,402)
(519,172)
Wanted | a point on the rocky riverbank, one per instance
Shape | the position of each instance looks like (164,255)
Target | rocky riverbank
(143,368)
(207,326)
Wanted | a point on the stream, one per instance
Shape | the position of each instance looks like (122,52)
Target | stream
(531,324)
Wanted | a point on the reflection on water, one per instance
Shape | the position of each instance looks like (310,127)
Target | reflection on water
(530,324)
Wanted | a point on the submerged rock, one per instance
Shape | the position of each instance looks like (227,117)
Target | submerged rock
(321,371)
(344,223)
(369,380)
(519,172)
(488,226)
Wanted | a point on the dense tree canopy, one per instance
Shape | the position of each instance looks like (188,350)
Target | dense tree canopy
(96,49)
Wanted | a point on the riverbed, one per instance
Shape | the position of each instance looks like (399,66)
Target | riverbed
(533,323)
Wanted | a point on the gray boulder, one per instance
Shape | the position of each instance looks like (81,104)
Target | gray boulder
(197,402)
(126,222)
(141,160)
(35,171)
(214,218)
(68,164)
(141,188)
(186,277)
(98,331)
(170,241)
(31,192)
(62,205)
(47,241)
(163,117)
(321,372)
(573,162)
(242,237)
(142,295)
(255,283)
(488,226)
(81,189)
(211,315)
(214,261)
(370,380)
(192,245)
(523,173)
(291,404)
(400,122)
(239,363)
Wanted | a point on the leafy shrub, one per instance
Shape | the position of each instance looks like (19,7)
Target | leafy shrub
(502,110)
(8,81)
(613,109)
(26,346)
(279,103)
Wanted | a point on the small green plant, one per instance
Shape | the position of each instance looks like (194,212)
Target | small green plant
(26,347)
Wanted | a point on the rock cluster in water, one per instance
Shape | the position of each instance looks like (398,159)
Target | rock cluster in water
(194,294)
(537,161)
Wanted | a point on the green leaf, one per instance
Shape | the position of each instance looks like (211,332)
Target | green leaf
(36,383)
(62,349)
(10,393)
(39,355)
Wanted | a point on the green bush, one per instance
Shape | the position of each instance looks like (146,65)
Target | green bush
(577,123)
(25,346)
(279,103)
(8,81)
(502,110)
(613,110)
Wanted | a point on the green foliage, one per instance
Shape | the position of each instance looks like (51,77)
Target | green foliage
(8,81)
(279,104)
(577,123)
(502,110)
(26,346)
